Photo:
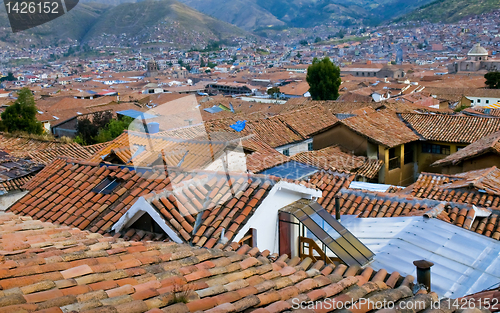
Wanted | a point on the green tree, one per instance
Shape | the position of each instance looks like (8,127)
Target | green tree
(10,77)
(202,62)
(88,129)
(21,116)
(493,80)
(318,39)
(114,129)
(303,42)
(273,91)
(324,80)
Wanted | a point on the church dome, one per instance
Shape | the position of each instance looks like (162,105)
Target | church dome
(477,50)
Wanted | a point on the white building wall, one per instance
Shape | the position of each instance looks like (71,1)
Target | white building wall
(265,218)
(295,148)
(483,101)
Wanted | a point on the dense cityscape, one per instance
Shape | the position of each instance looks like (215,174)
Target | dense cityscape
(251,165)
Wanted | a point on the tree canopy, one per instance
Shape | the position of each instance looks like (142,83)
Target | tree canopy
(10,77)
(493,80)
(101,127)
(273,91)
(324,80)
(21,116)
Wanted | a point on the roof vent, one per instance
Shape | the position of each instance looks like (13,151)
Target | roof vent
(424,273)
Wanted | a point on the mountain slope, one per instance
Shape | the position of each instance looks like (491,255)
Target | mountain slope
(166,20)
(71,26)
(242,13)
(450,11)
(300,13)
(138,23)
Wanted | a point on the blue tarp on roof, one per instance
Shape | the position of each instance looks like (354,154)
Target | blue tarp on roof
(239,126)
(136,114)
(214,109)
(291,170)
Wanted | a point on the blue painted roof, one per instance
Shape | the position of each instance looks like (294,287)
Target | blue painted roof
(136,114)
(291,170)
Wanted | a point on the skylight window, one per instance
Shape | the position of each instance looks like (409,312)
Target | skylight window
(106,186)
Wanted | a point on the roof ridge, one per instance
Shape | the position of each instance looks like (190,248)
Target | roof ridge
(408,199)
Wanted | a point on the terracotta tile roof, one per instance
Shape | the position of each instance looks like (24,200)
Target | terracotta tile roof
(72,150)
(65,192)
(468,92)
(275,132)
(333,106)
(487,144)
(353,96)
(310,120)
(395,203)
(140,149)
(259,156)
(15,172)
(482,111)
(51,268)
(93,149)
(479,188)
(222,206)
(451,128)
(262,156)
(335,159)
(367,204)
(330,183)
(489,299)
(295,88)
(22,146)
(381,127)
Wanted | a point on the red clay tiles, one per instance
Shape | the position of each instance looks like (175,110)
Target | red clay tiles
(201,279)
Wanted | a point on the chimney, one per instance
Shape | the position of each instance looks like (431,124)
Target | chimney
(337,208)
(424,273)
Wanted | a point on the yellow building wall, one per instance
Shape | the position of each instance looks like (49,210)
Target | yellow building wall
(402,176)
(425,160)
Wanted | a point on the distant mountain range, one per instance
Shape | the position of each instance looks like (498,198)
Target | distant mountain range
(449,11)
(127,22)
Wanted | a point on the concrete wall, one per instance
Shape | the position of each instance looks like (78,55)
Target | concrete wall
(10,198)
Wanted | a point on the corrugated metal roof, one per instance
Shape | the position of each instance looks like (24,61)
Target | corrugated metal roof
(465,262)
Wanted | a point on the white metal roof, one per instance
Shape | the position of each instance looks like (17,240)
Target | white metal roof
(465,262)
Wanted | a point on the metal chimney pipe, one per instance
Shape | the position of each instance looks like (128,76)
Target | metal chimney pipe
(424,273)
(337,208)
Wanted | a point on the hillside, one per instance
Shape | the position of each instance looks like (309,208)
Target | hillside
(129,23)
(167,20)
(450,11)
(258,14)
(306,13)
(69,27)
(243,13)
